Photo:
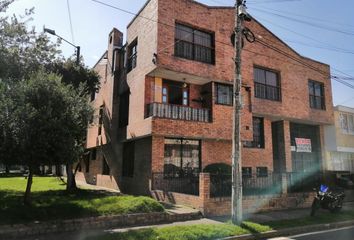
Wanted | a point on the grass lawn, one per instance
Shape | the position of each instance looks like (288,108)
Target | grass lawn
(192,232)
(52,202)
(320,217)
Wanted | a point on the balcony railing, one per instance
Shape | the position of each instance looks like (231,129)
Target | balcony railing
(162,110)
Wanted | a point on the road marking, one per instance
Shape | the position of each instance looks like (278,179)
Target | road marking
(324,231)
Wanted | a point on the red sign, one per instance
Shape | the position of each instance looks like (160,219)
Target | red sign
(303,145)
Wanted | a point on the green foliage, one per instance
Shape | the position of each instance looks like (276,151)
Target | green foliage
(218,168)
(75,75)
(46,120)
(22,51)
(52,202)
(321,217)
(191,232)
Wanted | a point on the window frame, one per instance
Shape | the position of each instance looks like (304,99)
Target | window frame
(314,96)
(167,85)
(132,56)
(260,173)
(345,116)
(253,143)
(181,154)
(194,44)
(248,170)
(217,85)
(278,79)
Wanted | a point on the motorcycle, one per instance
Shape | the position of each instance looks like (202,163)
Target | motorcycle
(327,200)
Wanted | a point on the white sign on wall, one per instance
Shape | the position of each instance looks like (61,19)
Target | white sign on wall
(303,145)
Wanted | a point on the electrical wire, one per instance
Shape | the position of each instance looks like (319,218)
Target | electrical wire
(257,40)
(332,47)
(312,24)
(70,21)
(309,17)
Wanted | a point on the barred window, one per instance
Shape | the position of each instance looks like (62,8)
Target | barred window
(182,157)
(266,84)
(316,95)
(194,44)
(258,134)
(224,94)
(132,55)
(346,121)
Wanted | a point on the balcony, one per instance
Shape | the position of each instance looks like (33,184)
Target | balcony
(178,112)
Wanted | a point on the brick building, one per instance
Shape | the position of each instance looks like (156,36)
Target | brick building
(165,103)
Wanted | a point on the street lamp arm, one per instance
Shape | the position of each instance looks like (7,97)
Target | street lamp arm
(52,32)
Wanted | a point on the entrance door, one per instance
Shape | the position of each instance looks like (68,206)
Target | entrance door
(306,148)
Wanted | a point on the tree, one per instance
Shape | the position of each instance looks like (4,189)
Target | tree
(75,75)
(22,51)
(48,122)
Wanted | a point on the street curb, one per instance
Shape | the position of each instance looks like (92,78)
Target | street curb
(291,231)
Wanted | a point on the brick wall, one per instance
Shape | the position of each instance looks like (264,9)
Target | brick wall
(221,206)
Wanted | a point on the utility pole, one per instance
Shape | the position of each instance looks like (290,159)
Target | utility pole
(236,198)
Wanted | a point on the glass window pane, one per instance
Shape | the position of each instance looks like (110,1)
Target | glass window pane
(259,75)
(224,94)
(351,123)
(311,88)
(184,33)
(271,79)
(318,89)
(202,38)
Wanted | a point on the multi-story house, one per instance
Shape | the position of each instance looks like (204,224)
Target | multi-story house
(339,141)
(165,103)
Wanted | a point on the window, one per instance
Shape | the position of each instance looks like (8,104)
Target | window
(100,120)
(246,172)
(258,134)
(346,121)
(124,109)
(132,55)
(316,93)
(105,168)
(266,84)
(182,157)
(224,94)
(175,93)
(194,44)
(87,163)
(128,159)
(262,171)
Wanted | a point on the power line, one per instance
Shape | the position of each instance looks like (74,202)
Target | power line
(309,17)
(271,1)
(307,37)
(70,21)
(307,22)
(257,40)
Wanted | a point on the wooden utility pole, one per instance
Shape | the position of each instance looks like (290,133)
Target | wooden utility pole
(236,198)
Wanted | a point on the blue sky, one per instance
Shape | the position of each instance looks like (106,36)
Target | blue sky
(311,27)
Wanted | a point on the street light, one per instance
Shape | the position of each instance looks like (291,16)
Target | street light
(52,32)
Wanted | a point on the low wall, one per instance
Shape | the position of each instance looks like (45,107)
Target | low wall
(102,222)
(250,204)
(221,206)
(178,198)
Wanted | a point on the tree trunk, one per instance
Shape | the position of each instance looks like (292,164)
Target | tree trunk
(7,169)
(71,183)
(27,198)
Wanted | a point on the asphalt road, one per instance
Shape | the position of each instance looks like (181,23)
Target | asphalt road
(346,233)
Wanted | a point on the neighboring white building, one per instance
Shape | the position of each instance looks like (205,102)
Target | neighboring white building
(339,141)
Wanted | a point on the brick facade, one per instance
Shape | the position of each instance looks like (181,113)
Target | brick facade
(157,65)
